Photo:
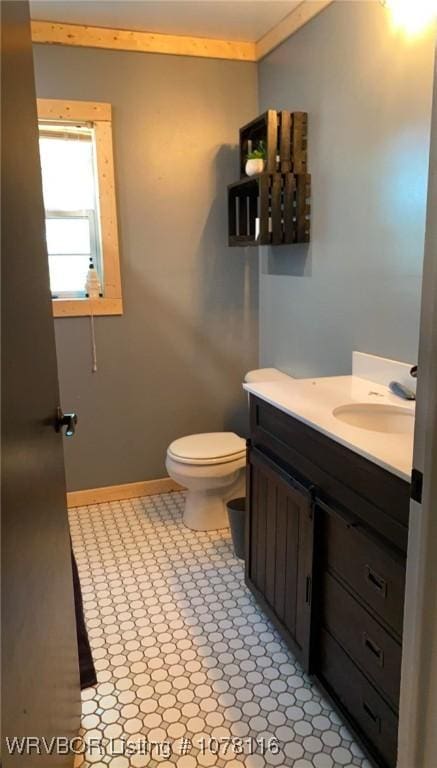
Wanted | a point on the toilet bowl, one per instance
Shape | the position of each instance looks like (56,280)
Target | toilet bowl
(211,466)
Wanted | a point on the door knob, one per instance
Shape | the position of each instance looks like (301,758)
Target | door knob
(67,420)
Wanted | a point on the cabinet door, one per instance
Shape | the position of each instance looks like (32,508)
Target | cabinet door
(279,550)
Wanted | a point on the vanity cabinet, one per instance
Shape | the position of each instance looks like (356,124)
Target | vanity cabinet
(325,557)
(280,542)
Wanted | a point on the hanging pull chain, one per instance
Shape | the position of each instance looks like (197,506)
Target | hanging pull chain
(93,345)
(93,291)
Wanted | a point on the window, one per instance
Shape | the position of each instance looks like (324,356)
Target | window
(71,205)
(80,209)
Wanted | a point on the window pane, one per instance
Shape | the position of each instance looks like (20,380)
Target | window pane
(68,273)
(71,204)
(68,236)
(67,173)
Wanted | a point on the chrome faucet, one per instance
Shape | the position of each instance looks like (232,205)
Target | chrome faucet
(401,390)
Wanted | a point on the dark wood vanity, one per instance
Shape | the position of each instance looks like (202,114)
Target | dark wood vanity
(326,547)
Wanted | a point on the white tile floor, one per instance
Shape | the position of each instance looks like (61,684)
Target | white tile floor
(189,669)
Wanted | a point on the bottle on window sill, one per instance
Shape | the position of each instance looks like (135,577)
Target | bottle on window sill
(93,288)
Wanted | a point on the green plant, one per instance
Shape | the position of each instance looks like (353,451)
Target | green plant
(259,153)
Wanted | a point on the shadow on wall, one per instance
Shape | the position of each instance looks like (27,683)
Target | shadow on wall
(205,338)
(228,278)
(293,260)
(220,267)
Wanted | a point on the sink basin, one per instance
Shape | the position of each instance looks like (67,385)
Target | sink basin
(377,417)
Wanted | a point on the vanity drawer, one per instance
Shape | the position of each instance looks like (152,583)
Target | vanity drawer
(360,700)
(364,639)
(374,572)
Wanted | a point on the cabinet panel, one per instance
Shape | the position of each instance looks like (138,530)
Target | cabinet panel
(282,596)
(291,573)
(258,529)
(280,547)
(359,700)
(270,537)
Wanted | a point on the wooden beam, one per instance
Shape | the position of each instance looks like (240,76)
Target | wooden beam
(61,109)
(119,492)
(145,42)
(288,26)
(86,307)
(54,33)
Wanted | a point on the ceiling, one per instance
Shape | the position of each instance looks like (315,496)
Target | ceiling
(246,20)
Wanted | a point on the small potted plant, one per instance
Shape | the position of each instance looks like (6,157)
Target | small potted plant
(256,160)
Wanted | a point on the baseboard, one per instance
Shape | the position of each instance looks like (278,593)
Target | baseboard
(118,492)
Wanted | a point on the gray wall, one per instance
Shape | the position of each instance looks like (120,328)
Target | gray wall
(357,286)
(173,364)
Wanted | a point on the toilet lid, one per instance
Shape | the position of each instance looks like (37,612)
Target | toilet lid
(208,448)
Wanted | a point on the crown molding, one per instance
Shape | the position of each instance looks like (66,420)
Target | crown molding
(54,33)
(288,26)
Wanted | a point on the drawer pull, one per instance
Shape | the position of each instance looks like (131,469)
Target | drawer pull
(374,649)
(376,720)
(376,581)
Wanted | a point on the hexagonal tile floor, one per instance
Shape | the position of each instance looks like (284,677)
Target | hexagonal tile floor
(190,671)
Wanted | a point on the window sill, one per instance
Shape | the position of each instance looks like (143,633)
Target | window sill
(86,307)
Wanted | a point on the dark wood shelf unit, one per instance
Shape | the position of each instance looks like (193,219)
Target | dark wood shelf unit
(269,209)
(273,207)
(263,128)
(285,138)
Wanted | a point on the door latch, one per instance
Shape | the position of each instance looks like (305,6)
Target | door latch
(416,486)
(67,420)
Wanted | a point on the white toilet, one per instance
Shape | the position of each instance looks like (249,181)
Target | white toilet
(211,466)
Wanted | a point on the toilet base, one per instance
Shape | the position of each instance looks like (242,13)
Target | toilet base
(209,488)
(205,511)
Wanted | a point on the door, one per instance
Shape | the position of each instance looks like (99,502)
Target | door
(40,675)
(418,706)
(280,550)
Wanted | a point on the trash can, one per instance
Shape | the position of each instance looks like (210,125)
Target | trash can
(237,521)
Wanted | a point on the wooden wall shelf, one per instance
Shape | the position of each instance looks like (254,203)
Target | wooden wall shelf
(272,208)
(269,209)
(284,135)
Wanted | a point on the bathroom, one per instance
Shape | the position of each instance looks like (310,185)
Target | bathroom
(208,658)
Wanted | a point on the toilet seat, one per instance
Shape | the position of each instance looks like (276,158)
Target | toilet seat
(208,448)
(212,469)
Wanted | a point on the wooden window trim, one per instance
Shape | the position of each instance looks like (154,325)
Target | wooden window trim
(99,114)
(81,307)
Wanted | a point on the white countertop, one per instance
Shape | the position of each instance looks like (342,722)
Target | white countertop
(313,400)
